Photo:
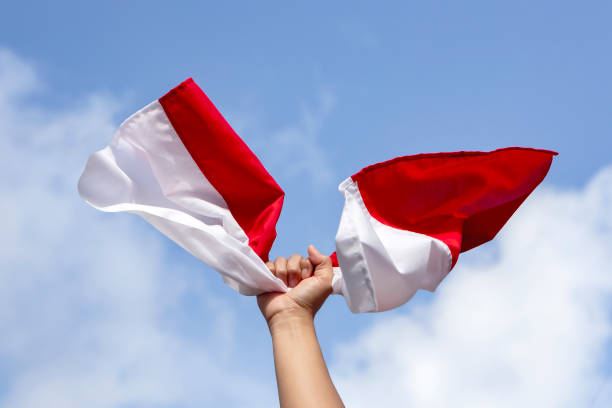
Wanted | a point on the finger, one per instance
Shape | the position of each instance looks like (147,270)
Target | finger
(270,266)
(322,263)
(294,274)
(280,266)
(306,268)
(318,258)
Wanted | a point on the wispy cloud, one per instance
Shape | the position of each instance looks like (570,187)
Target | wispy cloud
(293,152)
(359,34)
(85,297)
(531,328)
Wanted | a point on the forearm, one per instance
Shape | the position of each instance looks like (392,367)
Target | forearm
(302,377)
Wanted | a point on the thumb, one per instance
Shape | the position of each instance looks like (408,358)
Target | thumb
(319,260)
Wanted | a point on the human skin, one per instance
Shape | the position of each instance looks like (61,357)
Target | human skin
(301,374)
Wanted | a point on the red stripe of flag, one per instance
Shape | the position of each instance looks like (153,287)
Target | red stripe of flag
(251,194)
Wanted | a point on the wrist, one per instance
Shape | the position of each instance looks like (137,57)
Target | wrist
(290,318)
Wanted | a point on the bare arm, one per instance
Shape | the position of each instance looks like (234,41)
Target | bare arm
(302,376)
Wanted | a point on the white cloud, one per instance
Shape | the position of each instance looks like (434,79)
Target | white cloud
(85,297)
(531,328)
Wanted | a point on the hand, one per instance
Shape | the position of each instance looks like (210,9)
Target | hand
(302,376)
(309,288)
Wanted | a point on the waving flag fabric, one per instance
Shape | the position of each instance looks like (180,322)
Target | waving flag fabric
(179,165)
(406,220)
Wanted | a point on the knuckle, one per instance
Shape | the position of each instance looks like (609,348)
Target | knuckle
(293,265)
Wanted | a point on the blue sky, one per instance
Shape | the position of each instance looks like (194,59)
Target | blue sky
(318,90)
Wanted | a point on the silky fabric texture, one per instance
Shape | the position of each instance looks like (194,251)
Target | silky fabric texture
(251,194)
(461,198)
(179,165)
(383,267)
(146,170)
(406,220)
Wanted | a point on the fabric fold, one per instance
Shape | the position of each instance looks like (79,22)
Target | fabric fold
(210,195)
(178,164)
(406,220)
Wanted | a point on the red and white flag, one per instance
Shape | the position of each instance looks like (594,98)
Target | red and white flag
(406,220)
(179,165)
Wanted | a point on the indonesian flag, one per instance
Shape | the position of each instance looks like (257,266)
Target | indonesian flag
(406,220)
(179,165)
